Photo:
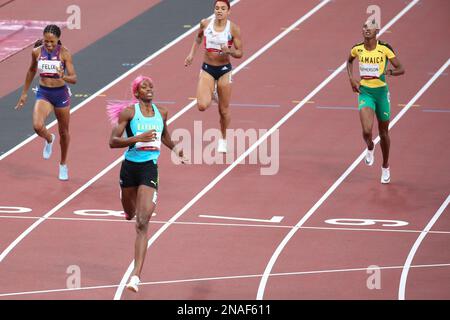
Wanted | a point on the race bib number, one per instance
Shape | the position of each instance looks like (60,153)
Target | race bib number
(369,70)
(216,41)
(149,146)
(48,66)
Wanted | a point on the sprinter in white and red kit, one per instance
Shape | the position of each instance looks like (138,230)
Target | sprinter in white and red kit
(222,40)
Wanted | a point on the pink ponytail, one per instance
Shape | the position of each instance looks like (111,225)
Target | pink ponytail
(115,107)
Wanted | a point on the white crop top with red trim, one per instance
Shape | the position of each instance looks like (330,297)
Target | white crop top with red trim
(214,40)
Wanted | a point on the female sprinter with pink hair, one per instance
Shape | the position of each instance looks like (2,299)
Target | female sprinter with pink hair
(222,39)
(145,126)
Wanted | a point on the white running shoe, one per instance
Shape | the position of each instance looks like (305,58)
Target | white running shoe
(222,147)
(215,95)
(369,159)
(385,175)
(63,172)
(48,148)
(133,284)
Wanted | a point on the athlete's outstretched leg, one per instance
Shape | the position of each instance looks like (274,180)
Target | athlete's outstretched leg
(385,141)
(42,109)
(205,90)
(145,205)
(224,91)
(128,198)
(63,116)
(367,116)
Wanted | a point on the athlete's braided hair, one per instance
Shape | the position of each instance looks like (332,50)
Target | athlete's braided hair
(51,28)
(54,29)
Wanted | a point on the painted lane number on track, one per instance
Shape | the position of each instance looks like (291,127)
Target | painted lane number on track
(84,212)
(101,213)
(366,222)
(14,210)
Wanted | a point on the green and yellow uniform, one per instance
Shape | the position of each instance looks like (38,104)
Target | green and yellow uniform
(372,68)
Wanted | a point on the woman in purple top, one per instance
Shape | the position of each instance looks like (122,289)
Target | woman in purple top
(54,64)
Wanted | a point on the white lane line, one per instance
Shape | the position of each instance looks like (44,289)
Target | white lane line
(116,162)
(246,225)
(273,259)
(274,219)
(409,259)
(226,171)
(249,276)
(113,83)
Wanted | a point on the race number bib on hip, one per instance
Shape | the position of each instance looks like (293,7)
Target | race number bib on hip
(149,146)
(369,70)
